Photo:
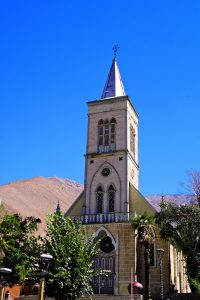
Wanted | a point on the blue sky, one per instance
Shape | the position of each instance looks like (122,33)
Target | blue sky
(55,56)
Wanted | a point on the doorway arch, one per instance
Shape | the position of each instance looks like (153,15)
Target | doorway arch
(106,259)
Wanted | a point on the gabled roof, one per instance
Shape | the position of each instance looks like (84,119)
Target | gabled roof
(138,203)
(114,86)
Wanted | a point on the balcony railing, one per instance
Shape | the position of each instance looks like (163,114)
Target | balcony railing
(117,217)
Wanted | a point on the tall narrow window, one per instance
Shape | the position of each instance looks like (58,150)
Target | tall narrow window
(99,200)
(111,199)
(112,133)
(100,134)
(132,140)
(107,135)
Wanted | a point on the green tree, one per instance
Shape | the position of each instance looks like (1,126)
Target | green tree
(71,272)
(181,226)
(145,233)
(18,244)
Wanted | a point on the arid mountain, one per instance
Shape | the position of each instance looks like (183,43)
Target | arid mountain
(178,199)
(39,196)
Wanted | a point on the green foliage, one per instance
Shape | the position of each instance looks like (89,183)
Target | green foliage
(71,272)
(196,284)
(181,226)
(18,245)
(144,225)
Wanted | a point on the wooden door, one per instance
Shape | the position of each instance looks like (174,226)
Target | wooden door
(104,284)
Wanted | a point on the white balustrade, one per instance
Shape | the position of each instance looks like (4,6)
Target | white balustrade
(104,218)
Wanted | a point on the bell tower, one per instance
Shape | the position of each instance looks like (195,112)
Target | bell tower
(111,160)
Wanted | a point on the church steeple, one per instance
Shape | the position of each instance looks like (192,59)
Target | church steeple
(114,86)
(112,149)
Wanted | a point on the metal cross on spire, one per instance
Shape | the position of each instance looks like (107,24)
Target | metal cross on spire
(114,86)
(115,49)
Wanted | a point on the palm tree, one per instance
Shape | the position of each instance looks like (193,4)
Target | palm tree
(144,225)
(180,225)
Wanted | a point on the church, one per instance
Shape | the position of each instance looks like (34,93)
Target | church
(111,198)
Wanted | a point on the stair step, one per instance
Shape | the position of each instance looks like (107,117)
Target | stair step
(94,297)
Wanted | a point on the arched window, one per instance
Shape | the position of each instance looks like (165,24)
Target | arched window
(132,140)
(111,199)
(100,133)
(106,135)
(99,194)
(112,133)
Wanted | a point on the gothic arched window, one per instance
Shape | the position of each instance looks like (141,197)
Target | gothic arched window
(99,194)
(112,133)
(107,135)
(111,199)
(100,133)
(132,140)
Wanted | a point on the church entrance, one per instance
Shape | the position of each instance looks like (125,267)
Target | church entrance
(104,266)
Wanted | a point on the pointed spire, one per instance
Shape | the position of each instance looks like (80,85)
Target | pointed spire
(58,207)
(114,86)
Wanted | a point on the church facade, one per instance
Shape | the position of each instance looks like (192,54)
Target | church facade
(111,197)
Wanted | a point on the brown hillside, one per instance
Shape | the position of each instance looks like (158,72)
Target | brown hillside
(39,196)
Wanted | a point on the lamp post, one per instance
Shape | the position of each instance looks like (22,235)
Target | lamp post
(4,276)
(160,253)
(45,261)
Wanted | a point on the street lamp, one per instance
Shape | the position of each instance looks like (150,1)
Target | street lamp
(4,277)
(45,261)
(160,253)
